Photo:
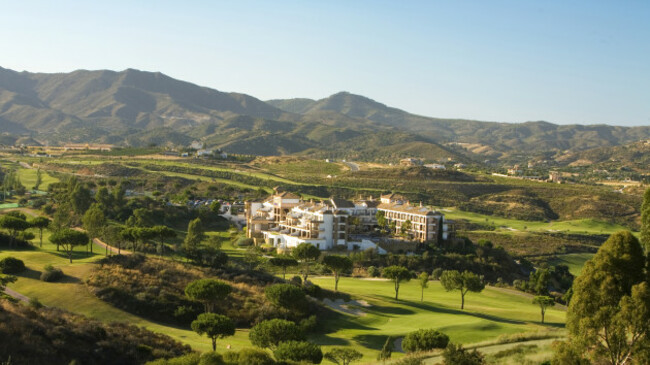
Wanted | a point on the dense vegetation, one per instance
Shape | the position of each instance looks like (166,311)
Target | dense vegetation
(54,336)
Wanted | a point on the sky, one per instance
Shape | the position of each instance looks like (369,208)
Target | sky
(566,62)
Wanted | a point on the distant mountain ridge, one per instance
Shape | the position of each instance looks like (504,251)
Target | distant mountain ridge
(137,108)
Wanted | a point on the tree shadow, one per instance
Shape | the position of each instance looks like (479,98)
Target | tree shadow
(375,342)
(445,310)
(29,273)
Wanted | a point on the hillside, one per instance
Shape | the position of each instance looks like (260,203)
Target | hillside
(137,108)
(635,156)
(504,137)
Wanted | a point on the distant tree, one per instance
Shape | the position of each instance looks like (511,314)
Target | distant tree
(343,355)
(307,254)
(465,282)
(163,233)
(289,297)
(40,223)
(423,279)
(208,291)
(81,199)
(214,326)
(94,222)
(13,225)
(195,235)
(62,217)
(299,351)
(143,217)
(129,234)
(69,239)
(143,234)
(645,221)
(538,281)
(543,302)
(386,350)
(104,198)
(215,207)
(609,314)
(269,334)
(457,355)
(338,265)
(39,178)
(283,262)
(397,274)
(406,227)
(424,340)
(381,220)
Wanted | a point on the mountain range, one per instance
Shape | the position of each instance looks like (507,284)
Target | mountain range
(138,108)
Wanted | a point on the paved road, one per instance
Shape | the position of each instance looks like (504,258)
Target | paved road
(353,166)
(17,295)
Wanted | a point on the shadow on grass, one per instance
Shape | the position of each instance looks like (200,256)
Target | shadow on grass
(29,273)
(375,342)
(333,321)
(445,310)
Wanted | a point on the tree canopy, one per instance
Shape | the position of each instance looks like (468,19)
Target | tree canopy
(268,334)
(464,282)
(283,262)
(609,314)
(306,253)
(214,326)
(208,291)
(397,274)
(338,264)
(69,239)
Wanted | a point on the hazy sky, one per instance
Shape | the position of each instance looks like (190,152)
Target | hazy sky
(514,61)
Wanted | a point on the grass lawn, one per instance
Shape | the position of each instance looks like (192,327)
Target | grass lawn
(575,261)
(583,226)
(71,294)
(487,315)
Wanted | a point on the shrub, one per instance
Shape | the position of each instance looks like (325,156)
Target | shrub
(296,280)
(456,354)
(245,242)
(268,334)
(424,340)
(254,357)
(299,351)
(11,265)
(437,272)
(373,272)
(51,274)
(211,358)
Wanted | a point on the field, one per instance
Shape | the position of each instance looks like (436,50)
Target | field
(578,226)
(575,261)
(488,315)
(494,312)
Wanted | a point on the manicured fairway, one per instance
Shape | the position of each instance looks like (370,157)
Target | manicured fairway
(487,315)
(583,226)
(494,312)
(575,261)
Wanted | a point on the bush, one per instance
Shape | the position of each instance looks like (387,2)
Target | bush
(299,351)
(51,274)
(11,265)
(424,340)
(296,280)
(245,242)
(268,334)
(437,272)
(211,358)
(254,357)
(456,354)
(373,272)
